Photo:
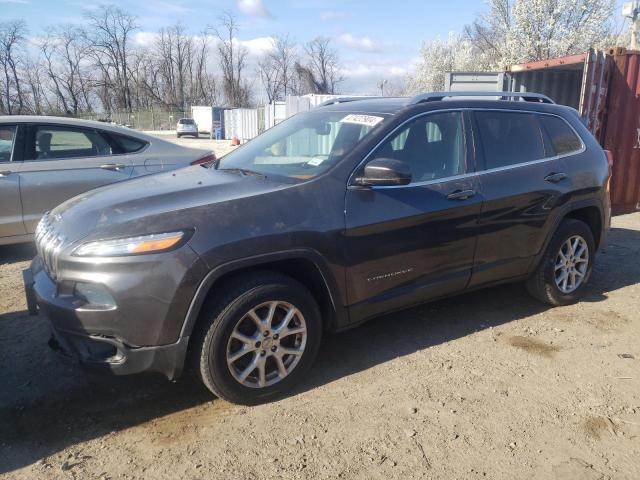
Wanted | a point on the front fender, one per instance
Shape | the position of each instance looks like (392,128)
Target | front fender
(341,316)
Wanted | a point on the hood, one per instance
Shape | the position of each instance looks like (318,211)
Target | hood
(174,200)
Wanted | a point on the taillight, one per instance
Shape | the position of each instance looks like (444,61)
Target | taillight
(609,158)
(610,162)
(207,159)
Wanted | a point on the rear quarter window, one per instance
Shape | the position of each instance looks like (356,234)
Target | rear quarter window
(509,138)
(128,144)
(563,138)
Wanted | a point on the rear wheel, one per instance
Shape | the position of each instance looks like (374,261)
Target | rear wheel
(566,266)
(257,340)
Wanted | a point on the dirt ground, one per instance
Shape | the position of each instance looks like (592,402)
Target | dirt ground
(219,147)
(490,384)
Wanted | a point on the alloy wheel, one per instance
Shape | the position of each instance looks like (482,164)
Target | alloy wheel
(266,344)
(572,262)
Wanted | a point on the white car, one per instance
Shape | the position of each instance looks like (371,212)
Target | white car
(187,126)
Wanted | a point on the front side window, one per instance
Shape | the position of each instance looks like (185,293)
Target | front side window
(563,138)
(510,138)
(7,137)
(433,146)
(57,143)
(303,146)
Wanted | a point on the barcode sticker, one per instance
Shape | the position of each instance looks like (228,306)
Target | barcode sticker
(368,120)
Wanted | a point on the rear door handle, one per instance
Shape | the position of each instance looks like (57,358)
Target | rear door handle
(113,166)
(461,194)
(5,173)
(555,177)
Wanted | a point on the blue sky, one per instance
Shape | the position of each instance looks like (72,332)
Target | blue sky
(375,39)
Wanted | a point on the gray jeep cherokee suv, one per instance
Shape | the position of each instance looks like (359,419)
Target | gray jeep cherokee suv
(349,211)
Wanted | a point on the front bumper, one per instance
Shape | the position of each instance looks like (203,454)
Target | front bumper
(140,331)
(113,356)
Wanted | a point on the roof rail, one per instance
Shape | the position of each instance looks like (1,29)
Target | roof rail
(526,96)
(337,100)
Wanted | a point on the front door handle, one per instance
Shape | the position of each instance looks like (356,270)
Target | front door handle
(5,173)
(113,166)
(555,177)
(461,195)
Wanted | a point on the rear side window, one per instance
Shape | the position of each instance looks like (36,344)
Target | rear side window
(128,144)
(7,137)
(509,138)
(563,138)
(57,143)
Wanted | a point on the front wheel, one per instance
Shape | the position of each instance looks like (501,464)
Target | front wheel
(257,340)
(566,266)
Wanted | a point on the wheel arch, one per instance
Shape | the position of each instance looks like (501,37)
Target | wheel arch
(589,211)
(305,266)
(592,216)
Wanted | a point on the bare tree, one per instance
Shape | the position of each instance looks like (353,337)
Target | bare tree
(66,55)
(12,40)
(204,87)
(109,31)
(320,71)
(34,72)
(232,61)
(270,77)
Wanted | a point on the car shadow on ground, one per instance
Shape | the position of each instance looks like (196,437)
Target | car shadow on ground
(47,405)
(17,253)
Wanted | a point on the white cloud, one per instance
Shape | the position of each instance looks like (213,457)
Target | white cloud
(328,15)
(364,44)
(378,70)
(16,2)
(258,46)
(255,46)
(144,39)
(254,8)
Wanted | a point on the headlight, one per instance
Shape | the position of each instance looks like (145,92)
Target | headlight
(157,242)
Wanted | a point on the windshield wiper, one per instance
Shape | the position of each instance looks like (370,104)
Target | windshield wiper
(243,171)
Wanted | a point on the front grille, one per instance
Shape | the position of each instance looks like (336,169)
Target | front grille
(48,243)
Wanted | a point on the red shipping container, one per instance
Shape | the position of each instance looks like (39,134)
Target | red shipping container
(605,88)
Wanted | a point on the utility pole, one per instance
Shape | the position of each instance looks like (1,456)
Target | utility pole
(632,10)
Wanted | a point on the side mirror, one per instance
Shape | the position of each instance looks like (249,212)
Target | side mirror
(385,172)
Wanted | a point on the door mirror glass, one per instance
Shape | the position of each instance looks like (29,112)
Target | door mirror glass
(385,172)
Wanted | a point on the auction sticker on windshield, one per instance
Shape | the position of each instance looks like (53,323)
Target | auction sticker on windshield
(368,120)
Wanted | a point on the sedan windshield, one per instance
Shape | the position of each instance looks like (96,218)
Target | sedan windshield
(303,146)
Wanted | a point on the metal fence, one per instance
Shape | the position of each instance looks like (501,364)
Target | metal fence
(141,119)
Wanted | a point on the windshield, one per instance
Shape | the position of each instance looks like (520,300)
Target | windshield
(187,121)
(303,146)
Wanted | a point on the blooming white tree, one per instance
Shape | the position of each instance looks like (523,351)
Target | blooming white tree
(517,31)
(438,56)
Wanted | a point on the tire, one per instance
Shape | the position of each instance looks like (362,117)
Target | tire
(227,314)
(547,282)
(196,135)
(177,135)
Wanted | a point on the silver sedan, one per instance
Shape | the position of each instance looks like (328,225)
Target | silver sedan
(47,160)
